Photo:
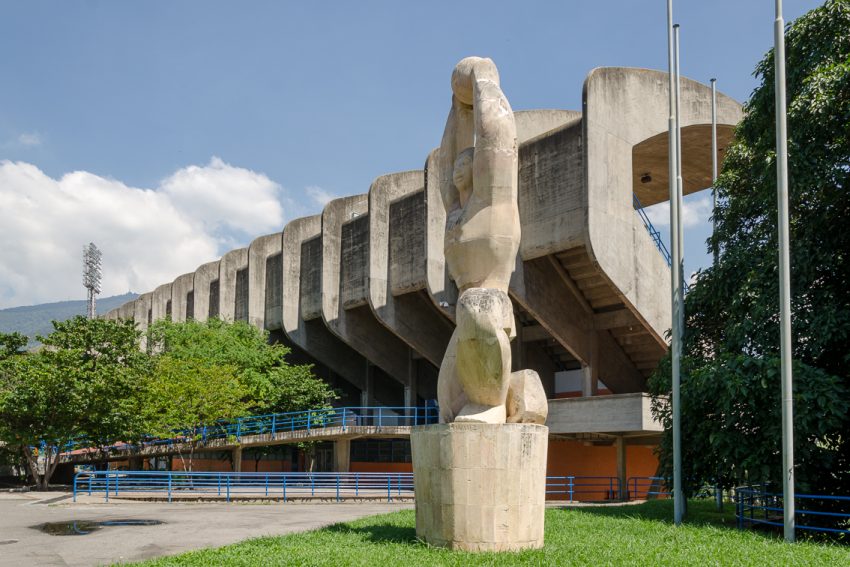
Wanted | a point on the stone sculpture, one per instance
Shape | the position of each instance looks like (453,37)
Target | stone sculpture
(480,475)
(478,162)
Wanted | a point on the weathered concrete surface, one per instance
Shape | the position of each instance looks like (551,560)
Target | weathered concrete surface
(180,290)
(397,266)
(128,310)
(264,300)
(231,264)
(480,487)
(205,275)
(312,335)
(142,311)
(222,524)
(615,414)
(160,302)
(345,257)
(623,108)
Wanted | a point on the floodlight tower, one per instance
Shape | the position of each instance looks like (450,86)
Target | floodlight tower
(91,276)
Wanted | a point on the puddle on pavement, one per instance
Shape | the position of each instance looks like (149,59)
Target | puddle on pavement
(85,527)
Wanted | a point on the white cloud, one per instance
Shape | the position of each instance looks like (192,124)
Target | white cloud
(695,211)
(29,139)
(148,236)
(319,195)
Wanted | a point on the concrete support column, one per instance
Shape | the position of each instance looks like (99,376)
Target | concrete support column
(237,459)
(620,446)
(342,455)
(367,394)
(590,378)
(410,389)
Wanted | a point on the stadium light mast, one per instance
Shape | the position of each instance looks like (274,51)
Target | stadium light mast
(91,276)
(784,277)
(677,293)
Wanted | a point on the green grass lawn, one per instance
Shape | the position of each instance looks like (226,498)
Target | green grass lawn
(624,535)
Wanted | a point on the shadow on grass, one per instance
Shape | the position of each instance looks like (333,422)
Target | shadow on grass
(380,533)
(699,513)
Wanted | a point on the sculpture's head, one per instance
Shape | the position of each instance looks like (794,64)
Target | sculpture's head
(468,70)
(462,174)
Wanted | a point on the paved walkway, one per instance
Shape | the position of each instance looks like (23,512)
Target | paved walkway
(186,526)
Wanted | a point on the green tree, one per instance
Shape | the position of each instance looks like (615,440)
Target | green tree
(270,382)
(185,394)
(84,384)
(731,380)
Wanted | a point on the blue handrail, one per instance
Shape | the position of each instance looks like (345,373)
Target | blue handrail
(286,486)
(653,232)
(272,424)
(755,505)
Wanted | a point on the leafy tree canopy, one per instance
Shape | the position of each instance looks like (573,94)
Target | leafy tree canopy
(731,380)
(84,384)
(271,384)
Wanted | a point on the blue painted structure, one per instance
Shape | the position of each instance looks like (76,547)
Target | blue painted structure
(287,486)
(755,505)
(344,417)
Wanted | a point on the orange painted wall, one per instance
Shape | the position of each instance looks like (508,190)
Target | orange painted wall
(573,458)
(380,467)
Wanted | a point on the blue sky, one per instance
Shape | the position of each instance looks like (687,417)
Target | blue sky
(288,101)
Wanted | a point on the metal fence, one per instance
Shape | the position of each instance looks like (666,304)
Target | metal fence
(292,421)
(301,485)
(756,506)
(175,485)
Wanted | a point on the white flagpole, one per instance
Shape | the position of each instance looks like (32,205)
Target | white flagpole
(784,278)
(676,277)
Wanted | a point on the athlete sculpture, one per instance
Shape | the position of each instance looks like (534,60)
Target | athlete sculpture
(478,163)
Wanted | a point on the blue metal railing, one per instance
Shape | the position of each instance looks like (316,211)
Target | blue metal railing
(754,506)
(301,485)
(584,487)
(272,424)
(284,486)
(653,232)
(644,487)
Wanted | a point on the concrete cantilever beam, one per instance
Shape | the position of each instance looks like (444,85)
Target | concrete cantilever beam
(127,310)
(397,267)
(577,212)
(181,287)
(624,109)
(160,302)
(264,281)
(301,318)
(233,286)
(205,276)
(345,288)
(142,313)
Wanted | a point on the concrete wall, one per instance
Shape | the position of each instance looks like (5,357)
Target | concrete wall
(259,253)
(344,269)
(398,267)
(159,302)
(231,264)
(181,287)
(205,275)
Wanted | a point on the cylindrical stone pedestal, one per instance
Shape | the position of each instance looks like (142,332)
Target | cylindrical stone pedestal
(479,486)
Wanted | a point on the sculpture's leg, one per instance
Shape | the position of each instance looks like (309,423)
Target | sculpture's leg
(483,356)
(450,395)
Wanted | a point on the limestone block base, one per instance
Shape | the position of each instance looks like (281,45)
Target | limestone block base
(480,486)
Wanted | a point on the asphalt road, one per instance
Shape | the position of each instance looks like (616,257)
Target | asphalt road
(185,526)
